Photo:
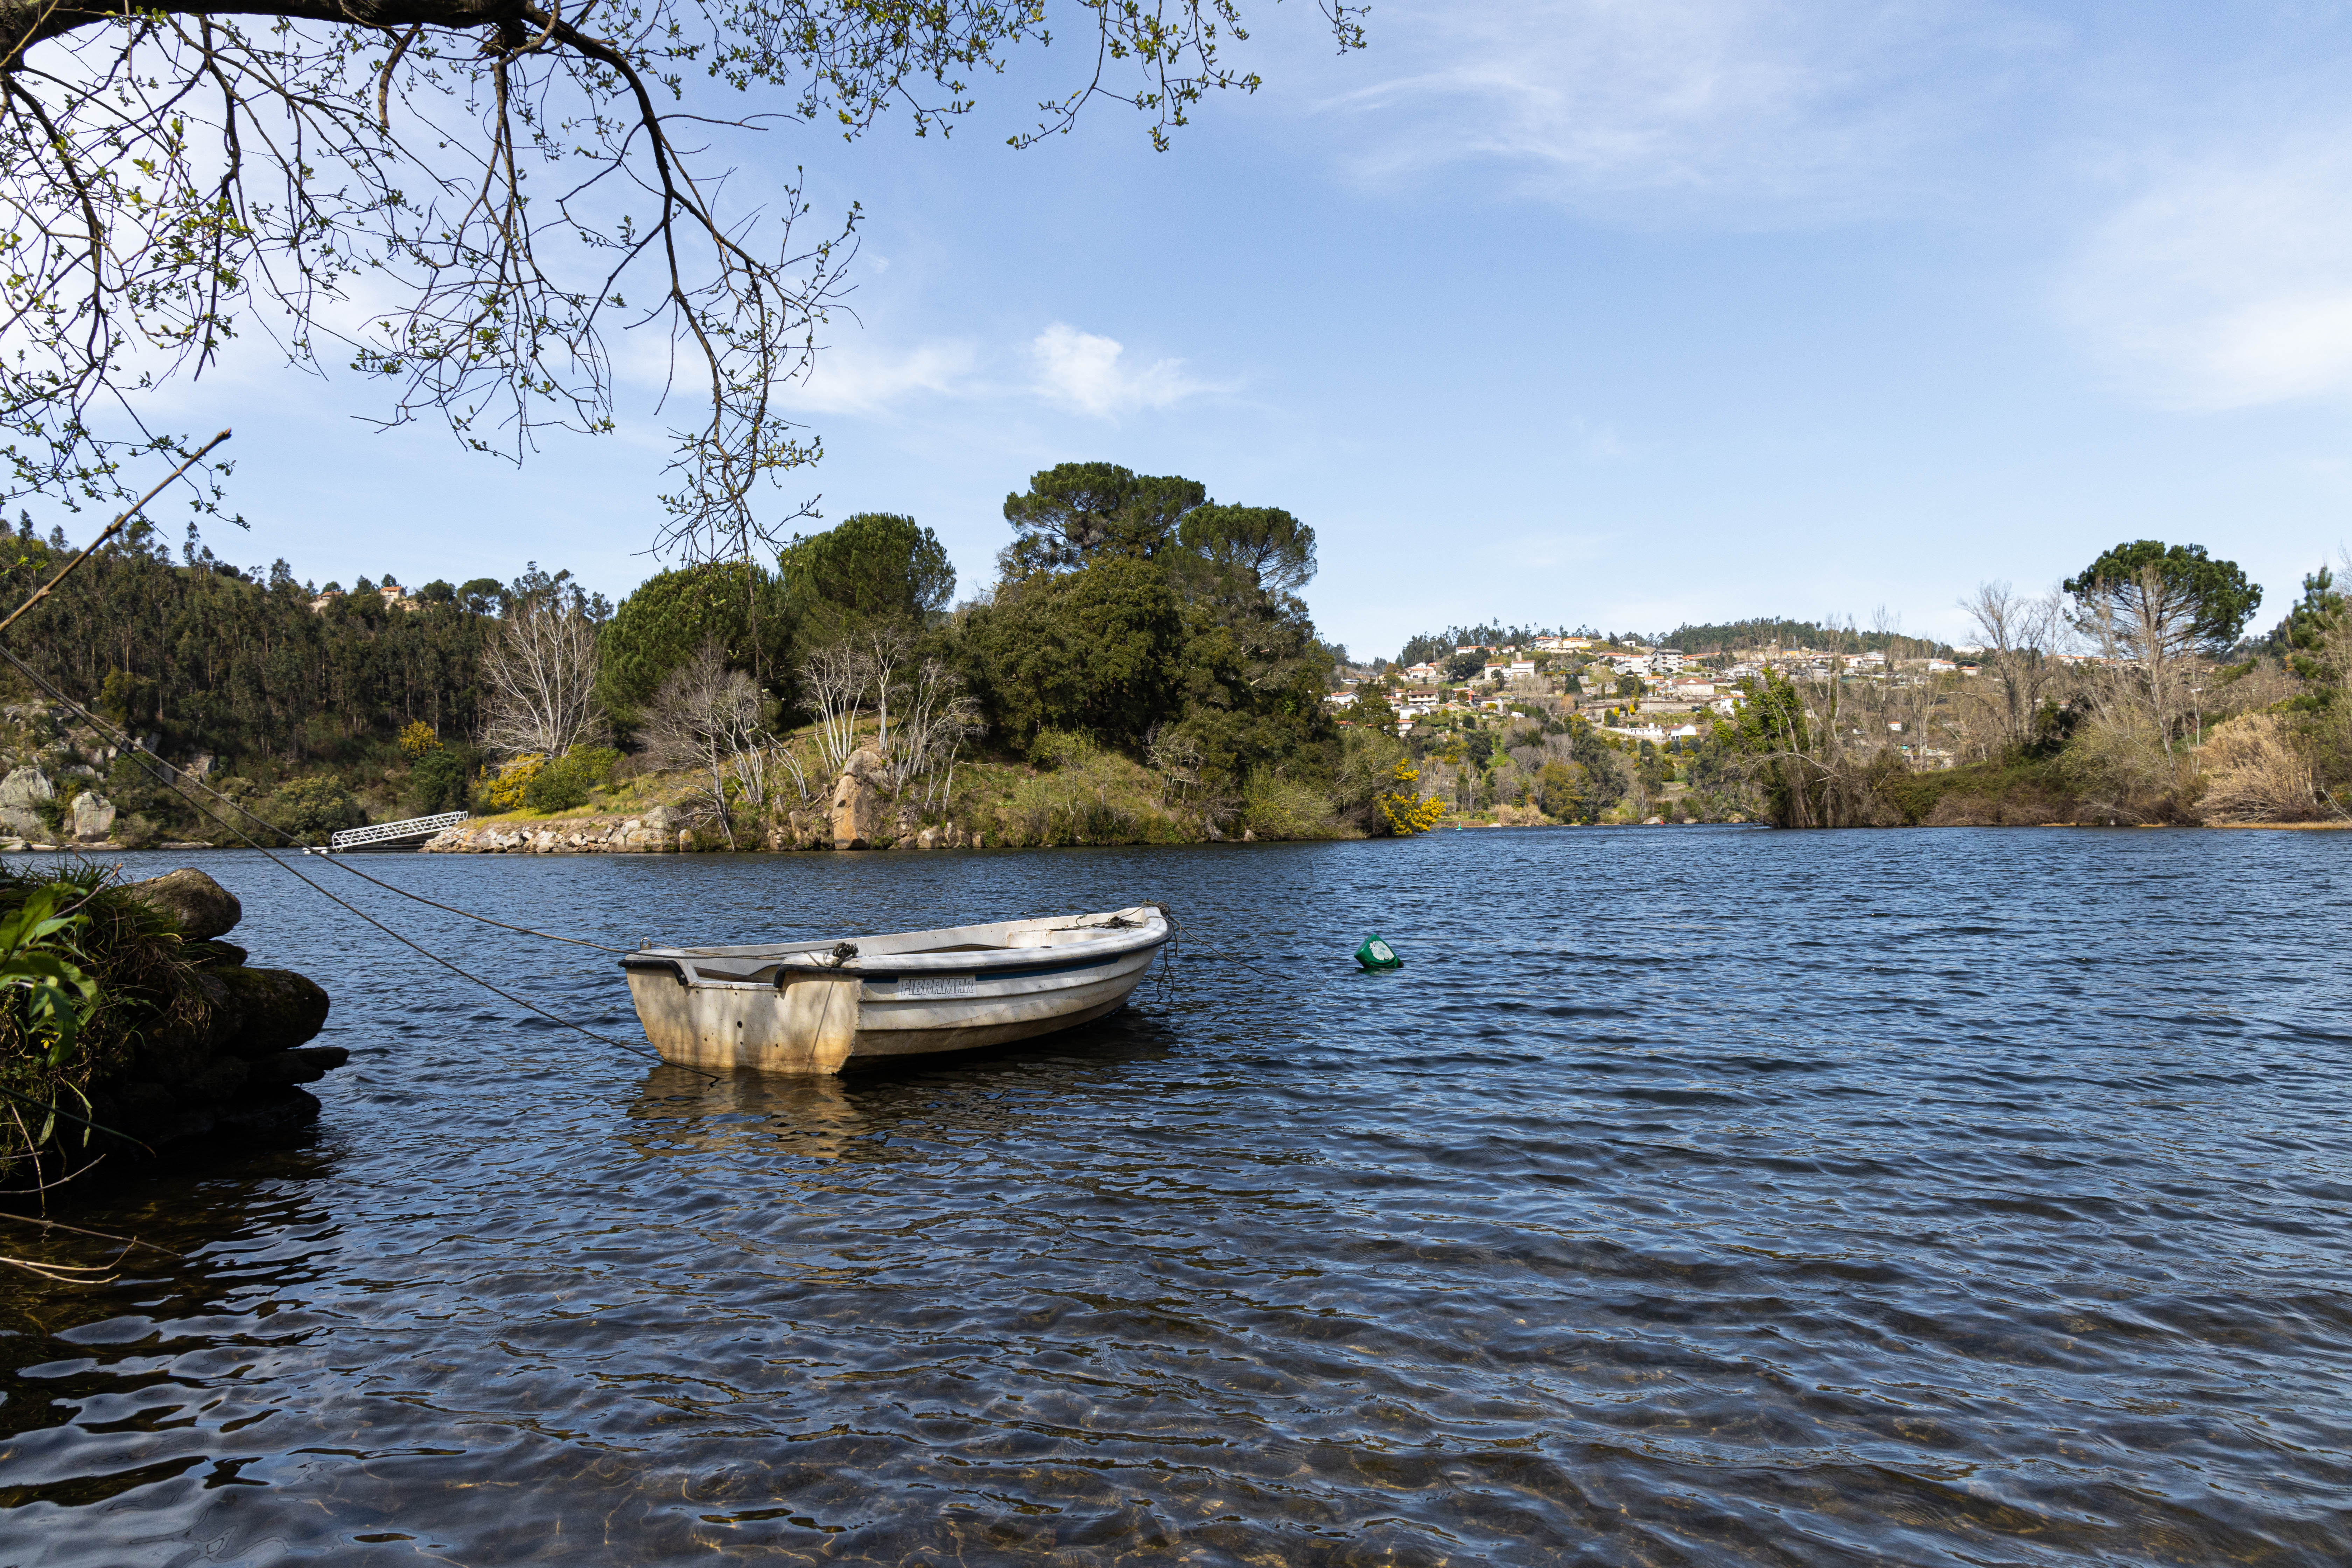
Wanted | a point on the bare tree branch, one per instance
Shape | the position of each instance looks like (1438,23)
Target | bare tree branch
(460,197)
(541,670)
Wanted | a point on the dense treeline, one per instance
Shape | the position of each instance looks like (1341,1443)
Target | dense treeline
(1130,610)
(1135,624)
(1724,637)
(211,659)
(1436,647)
(1133,610)
(1699,640)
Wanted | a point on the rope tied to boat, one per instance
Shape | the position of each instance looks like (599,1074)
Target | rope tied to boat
(1176,932)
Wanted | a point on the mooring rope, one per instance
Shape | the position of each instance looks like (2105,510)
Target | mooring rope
(1210,950)
(151,763)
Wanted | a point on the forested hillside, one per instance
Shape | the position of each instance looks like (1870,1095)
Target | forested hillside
(209,659)
(1137,632)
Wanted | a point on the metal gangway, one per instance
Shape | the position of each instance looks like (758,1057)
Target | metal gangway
(389,835)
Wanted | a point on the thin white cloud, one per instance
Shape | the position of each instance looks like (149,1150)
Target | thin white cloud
(1735,110)
(853,378)
(1084,372)
(2227,281)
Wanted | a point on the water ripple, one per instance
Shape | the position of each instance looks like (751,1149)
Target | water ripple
(1691,1196)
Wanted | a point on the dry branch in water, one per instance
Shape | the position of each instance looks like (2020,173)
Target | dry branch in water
(462,198)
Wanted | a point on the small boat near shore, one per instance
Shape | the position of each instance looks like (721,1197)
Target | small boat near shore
(816,1007)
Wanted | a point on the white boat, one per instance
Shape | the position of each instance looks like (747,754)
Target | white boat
(814,1006)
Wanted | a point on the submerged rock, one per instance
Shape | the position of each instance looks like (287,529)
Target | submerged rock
(258,1011)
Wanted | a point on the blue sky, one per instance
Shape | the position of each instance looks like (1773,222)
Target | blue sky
(1618,312)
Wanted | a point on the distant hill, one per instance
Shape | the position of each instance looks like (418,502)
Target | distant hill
(1725,636)
(1697,640)
(1441,644)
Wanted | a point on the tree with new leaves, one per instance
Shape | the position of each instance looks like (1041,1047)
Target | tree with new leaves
(466,199)
(1374,710)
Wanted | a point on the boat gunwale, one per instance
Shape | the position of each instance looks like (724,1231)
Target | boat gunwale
(1150,929)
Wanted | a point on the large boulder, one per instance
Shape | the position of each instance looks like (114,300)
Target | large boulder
(861,812)
(91,819)
(20,792)
(256,1012)
(203,908)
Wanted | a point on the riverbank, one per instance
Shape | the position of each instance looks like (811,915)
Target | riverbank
(180,1039)
(1087,795)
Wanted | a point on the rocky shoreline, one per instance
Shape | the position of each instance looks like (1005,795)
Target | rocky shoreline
(235,1068)
(859,815)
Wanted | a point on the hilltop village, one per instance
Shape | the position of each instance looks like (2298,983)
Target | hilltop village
(1626,689)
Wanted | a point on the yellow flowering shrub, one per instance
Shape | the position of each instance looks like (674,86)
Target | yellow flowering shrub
(418,739)
(513,780)
(1407,809)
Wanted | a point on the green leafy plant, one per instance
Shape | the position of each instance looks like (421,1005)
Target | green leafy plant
(566,782)
(40,974)
(437,781)
(312,808)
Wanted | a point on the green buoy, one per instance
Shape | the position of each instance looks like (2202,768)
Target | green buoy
(1377,954)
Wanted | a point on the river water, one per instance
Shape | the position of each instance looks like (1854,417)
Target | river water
(1692,1196)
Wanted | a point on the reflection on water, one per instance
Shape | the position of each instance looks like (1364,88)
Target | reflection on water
(1691,1196)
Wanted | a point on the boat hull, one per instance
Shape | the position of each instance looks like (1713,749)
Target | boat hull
(802,1021)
